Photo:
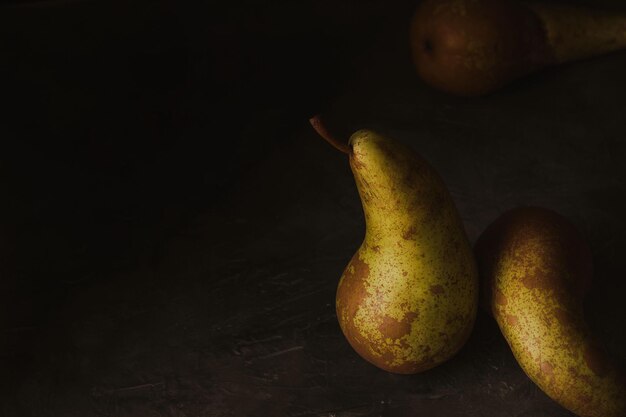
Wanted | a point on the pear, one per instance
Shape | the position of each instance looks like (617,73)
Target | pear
(535,270)
(407,299)
(473,47)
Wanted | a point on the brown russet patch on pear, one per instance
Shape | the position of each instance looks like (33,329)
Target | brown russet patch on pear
(362,347)
(533,278)
(383,358)
(356,162)
(363,186)
(410,233)
(534,281)
(392,328)
(578,376)
(352,289)
(499,298)
(572,371)
(396,329)
(436,289)
(361,269)
(356,340)
(409,316)
(388,358)
(547,369)
(512,320)
(376,248)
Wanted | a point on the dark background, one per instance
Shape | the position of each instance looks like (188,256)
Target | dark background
(172,231)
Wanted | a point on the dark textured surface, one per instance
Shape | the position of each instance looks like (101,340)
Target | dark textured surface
(167,276)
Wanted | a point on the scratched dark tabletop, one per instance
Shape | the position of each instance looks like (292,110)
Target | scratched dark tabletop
(173,246)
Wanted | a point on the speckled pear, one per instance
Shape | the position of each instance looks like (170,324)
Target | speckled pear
(535,270)
(407,300)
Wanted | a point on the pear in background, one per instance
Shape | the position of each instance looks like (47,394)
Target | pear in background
(535,270)
(472,47)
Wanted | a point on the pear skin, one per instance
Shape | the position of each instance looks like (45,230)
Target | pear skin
(535,270)
(407,300)
(473,47)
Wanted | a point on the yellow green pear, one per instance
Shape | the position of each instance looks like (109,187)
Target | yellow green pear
(535,270)
(407,300)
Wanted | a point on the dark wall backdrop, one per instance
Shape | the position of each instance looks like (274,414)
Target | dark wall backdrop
(172,231)
(131,112)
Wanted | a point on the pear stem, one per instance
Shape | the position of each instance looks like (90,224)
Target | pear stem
(321,130)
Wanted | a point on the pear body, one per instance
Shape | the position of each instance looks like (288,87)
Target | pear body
(473,47)
(535,270)
(407,300)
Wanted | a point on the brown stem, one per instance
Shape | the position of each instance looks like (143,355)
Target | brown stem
(321,130)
